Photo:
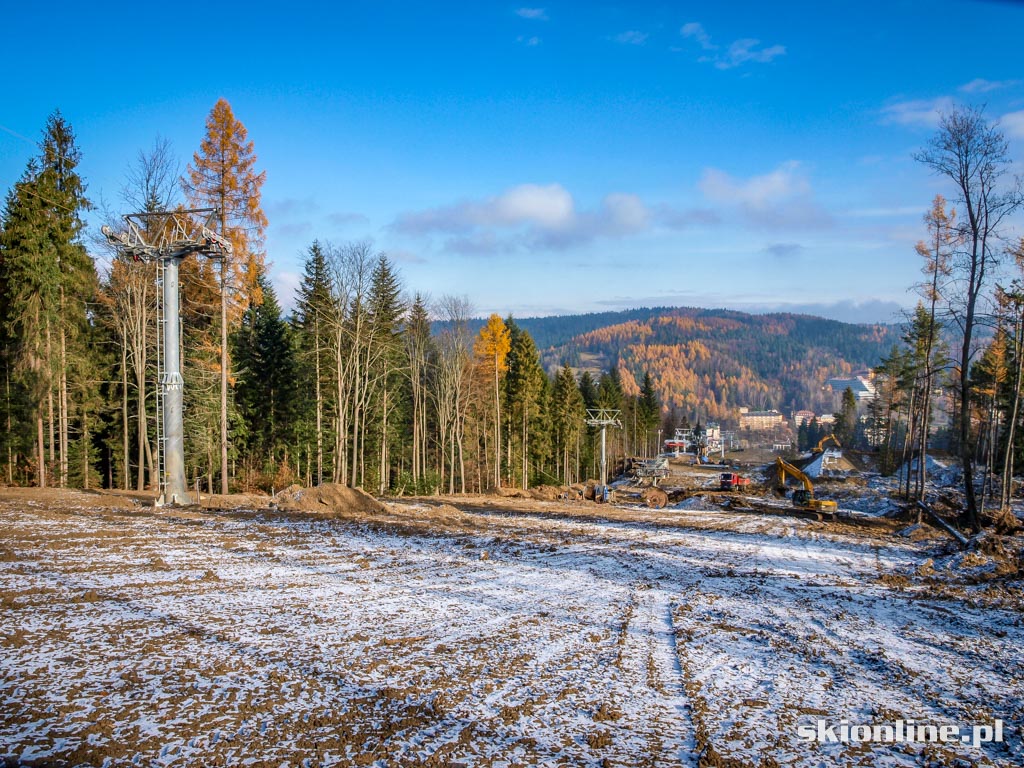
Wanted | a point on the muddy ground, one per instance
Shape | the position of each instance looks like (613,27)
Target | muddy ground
(491,632)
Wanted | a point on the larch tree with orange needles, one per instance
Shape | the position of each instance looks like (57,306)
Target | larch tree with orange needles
(492,348)
(222,175)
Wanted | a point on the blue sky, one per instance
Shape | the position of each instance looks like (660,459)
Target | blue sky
(549,157)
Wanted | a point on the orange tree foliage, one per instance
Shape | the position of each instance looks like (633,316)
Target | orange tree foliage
(491,349)
(223,176)
(710,362)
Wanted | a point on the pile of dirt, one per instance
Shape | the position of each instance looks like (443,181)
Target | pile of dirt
(231,501)
(329,497)
(548,493)
(989,556)
(510,493)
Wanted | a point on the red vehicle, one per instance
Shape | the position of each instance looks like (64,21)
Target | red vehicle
(730,481)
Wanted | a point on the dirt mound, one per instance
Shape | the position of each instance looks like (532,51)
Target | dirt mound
(329,497)
(446,511)
(231,501)
(547,493)
(988,556)
(510,493)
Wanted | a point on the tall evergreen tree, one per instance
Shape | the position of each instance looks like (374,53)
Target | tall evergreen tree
(588,389)
(568,412)
(846,419)
(386,309)
(648,411)
(525,388)
(266,390)
(419,351)
(31,276)
(314,313)
(50,281)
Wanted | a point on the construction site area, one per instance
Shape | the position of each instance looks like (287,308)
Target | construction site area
(680,623)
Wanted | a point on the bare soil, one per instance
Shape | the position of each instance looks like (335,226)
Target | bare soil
(488,631)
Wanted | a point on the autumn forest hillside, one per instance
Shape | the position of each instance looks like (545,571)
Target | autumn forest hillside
(707,362)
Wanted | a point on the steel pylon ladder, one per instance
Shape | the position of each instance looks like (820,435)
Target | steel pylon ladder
(161,377)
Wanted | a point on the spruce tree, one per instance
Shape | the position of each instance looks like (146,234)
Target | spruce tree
(648,410)
(846,418)
(314,313)
(568,412)
(30,283)
(384,365)
(525,388)
(266,392)
(50,280)
(420,350)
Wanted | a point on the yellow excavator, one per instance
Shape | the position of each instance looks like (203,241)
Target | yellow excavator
(803,497)
(820,447)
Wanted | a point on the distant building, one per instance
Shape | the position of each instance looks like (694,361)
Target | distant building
(799,417)
(760,421)
(862,387)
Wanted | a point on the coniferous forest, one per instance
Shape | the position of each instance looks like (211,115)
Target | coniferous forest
(369,383)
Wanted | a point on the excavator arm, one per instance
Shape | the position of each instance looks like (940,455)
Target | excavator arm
(803,498)
(785,468)
(821,443)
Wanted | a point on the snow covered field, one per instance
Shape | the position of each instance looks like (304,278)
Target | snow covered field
(490,636)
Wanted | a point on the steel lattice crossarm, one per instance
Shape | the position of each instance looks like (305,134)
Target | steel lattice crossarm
(603,417)
(169,234)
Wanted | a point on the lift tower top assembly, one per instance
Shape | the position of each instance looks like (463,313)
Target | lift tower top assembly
(167,237)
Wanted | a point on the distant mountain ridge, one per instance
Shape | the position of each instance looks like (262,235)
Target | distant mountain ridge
(708,362)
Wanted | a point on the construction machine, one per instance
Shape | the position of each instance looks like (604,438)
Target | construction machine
(732,481)
(820,447)
(803,497)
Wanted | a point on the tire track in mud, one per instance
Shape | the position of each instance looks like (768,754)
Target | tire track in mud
(649,659)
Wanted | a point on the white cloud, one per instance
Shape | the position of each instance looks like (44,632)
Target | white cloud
(981,85)
(632,37)
(782,198)
(917,112)
(696,30)
(625,213)
(537,216)
(549,206)
(758,192)
(1013,124)
(543,206)
(538,14)
(737,53)
(746,50)
(530,42)
(684,218)
(286,286)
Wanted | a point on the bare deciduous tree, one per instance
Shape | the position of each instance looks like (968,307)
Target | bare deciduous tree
(972,153)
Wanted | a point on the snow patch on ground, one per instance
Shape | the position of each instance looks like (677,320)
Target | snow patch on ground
(165,638)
